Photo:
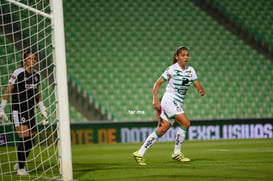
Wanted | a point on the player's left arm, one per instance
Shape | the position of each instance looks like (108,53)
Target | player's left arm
(199,87)
(38,95)
(41,106)
(39,99)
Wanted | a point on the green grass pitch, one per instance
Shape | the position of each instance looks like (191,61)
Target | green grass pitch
(250,159)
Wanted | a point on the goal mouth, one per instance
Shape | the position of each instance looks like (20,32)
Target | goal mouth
(33,26)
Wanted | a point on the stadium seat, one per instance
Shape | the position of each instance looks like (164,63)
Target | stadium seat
(252,14)
(122,47)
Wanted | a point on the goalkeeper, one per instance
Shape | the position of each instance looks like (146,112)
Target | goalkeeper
(24,89)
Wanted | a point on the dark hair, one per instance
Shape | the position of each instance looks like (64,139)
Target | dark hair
(24,56)
(177,51)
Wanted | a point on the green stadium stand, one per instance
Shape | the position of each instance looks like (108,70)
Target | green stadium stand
(255,15)
(117,49)
(75,115)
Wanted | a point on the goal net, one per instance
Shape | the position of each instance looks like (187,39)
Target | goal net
(31,26)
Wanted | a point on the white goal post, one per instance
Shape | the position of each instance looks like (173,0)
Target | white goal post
(38,26)
(62,90)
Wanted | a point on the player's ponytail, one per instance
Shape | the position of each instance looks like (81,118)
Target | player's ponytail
(177,51)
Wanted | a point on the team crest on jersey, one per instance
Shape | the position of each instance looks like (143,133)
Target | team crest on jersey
(13,77)
(23,119)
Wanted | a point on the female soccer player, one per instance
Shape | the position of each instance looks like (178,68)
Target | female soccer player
(179,77)
(24,89)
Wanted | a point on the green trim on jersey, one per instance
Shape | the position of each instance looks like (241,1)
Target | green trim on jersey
(177,70)
(157,134)
(164,78)
(183,128)
(180,96)
(194,80)
(172,117)
(179,100)
(177,84)
(179,81)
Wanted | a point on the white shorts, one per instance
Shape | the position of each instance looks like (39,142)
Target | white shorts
(170,108)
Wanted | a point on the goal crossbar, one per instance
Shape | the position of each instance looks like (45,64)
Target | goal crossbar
(29,8)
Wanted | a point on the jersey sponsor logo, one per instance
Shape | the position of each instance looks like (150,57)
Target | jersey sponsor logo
(182,91)
(185,81)
(31,86)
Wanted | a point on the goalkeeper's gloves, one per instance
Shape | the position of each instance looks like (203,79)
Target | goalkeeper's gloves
(43,112)
(3,116)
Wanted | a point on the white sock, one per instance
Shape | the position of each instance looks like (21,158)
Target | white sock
(179,139)
(150,140)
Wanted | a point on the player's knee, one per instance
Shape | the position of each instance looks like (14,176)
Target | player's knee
(163,127)
(162,130)
(187,124)
(183,120)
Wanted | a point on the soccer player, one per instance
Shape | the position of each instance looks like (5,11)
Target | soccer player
(179,77)
(24,89)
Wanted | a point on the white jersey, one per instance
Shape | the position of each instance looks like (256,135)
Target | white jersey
(179,81)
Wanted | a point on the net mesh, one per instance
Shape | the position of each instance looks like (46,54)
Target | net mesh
(21,30)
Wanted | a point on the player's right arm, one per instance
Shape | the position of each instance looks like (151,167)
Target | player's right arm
(8,91)
(5,99)
(156,102)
